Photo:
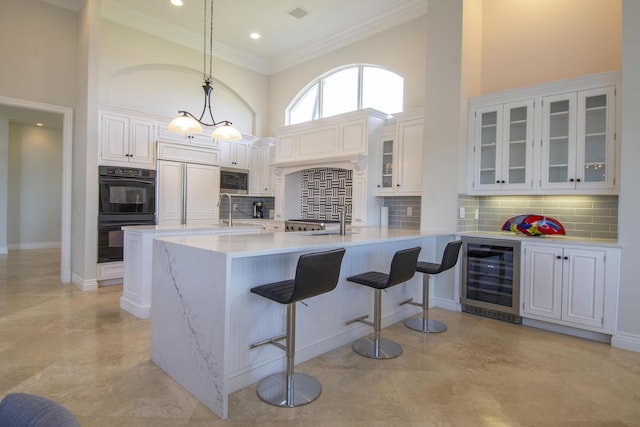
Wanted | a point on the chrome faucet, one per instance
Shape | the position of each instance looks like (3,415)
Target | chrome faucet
(343,220)
(230,206)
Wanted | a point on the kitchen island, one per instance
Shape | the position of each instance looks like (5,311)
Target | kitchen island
(204,318)
(138,248)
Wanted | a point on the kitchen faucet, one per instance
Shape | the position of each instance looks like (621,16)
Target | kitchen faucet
(230,207)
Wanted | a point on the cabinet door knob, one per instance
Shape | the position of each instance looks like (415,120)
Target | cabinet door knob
(578,180)
(397,185)
(566,257)
(502,182)
(378,185)
(571,180)
(558,257)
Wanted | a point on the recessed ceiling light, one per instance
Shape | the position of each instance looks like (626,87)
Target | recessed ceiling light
(39,124)
(176,2)
(254,36)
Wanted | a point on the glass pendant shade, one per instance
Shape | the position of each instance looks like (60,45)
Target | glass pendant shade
(226,132)
(185,124)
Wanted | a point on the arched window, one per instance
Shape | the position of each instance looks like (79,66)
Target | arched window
(348,89)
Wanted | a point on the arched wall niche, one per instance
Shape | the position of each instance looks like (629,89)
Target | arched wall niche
(164,89)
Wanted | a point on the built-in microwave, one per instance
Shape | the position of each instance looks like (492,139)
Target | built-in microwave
(234,181)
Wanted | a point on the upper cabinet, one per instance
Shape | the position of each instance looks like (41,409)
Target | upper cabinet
(235,154)
(578,137)
(556,138)
(399,163)
(503,146)
(261,180)
(127,141)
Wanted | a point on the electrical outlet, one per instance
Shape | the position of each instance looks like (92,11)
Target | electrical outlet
(235,207)
(462,213)
(409,211)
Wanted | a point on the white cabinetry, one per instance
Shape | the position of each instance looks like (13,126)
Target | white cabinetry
(337,137)
(554,138)
(574,286)
(578,140)
(126,141)
(400,156)
(503,146)
(260,173)
(235,154)
(187,191)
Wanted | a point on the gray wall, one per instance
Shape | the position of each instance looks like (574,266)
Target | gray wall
(34,187)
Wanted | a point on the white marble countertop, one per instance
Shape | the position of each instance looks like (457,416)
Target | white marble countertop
(551,238)
(186,227)
(247,245)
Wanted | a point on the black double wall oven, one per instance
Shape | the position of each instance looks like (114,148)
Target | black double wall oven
(127,196)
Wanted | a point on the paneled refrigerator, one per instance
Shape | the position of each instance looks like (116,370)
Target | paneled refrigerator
(187,193)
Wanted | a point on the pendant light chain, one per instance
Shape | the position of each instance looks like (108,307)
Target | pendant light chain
(207,76)
(187,122)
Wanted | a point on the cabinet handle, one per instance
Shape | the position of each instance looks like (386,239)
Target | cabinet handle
(578,180)
(378,185)
(502,182)
(571,180)
(497,181)
(397,185)
(558,257)
(566,257)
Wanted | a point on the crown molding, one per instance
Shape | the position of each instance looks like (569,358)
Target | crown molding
(173,33)
(403,12)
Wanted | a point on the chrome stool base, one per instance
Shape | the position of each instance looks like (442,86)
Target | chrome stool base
(386,349)
(425,325)
(304,389)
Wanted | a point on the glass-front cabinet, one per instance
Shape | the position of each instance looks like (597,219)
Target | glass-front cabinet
(578,135)
(503,146)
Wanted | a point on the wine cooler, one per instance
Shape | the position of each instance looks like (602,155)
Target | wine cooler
(491,278)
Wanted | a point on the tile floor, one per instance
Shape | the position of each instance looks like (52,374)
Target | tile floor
(81,350)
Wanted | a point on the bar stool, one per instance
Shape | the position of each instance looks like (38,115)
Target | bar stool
(403,268)
(449,259)
(316,273)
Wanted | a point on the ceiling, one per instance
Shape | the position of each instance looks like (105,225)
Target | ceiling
(286,40)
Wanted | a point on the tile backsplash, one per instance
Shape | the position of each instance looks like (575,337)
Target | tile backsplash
(399,208)
(325,191)
(244,206)
(581,216)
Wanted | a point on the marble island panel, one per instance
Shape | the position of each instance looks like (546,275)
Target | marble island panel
(204,318)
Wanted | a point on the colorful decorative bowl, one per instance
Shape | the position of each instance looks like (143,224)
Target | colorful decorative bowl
(533,225)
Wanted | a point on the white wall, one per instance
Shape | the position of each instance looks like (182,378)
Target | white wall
(629,203)
(34,187)
(400,49)
(4,175)
(146,73)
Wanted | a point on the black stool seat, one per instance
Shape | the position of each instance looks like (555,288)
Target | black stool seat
(403,268)
(316,273)
(449,260)
(280,292)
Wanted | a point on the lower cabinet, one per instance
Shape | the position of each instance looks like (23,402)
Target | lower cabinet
(574,286)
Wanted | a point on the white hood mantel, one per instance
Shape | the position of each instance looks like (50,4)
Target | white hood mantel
(356,163)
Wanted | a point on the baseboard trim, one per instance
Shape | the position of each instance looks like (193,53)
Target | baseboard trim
(82,284)
(30,246)
(567,330)
(445,304)
(626,341)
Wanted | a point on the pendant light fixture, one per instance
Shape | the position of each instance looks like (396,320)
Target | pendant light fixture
(187,122)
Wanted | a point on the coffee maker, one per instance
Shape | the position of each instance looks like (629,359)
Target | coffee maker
(258,209)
